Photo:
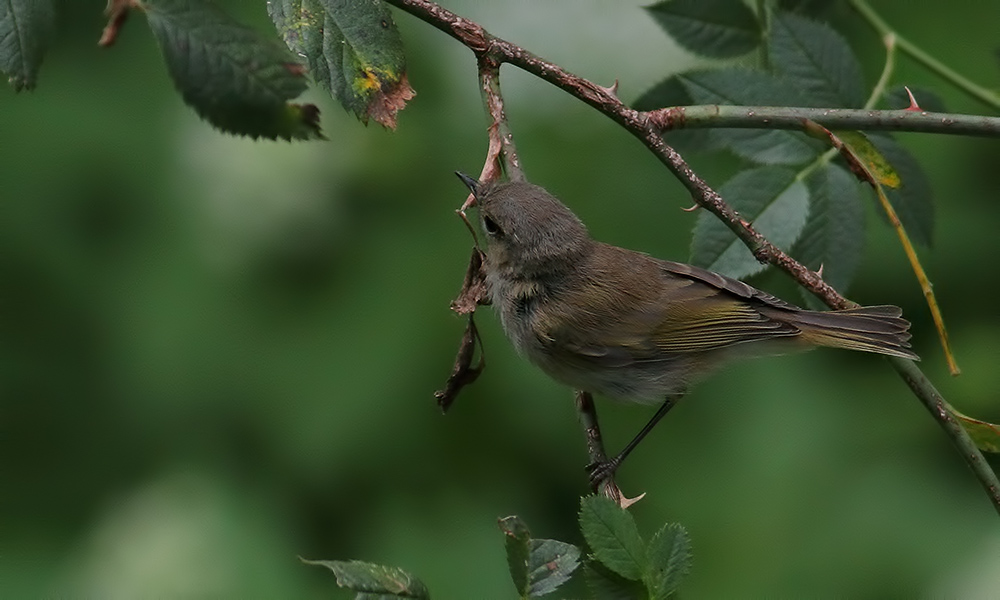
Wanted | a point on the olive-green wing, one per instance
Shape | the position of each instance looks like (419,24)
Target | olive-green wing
(682,309)
(707,311)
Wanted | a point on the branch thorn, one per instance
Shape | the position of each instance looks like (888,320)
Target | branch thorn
(914,107)
(611,91)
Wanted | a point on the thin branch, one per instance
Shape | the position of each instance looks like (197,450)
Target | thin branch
(586,412)
(784,117)
(649,133)
(944,414)
(500,135)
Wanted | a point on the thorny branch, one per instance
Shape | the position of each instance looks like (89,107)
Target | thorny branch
(648,128)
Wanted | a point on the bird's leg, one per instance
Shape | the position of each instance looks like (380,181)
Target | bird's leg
(587,413)
(603,470)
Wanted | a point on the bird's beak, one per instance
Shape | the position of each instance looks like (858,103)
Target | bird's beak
(471,182)
(474,186)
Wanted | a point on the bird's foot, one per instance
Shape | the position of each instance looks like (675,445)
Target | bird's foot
(602,481)
(602,471)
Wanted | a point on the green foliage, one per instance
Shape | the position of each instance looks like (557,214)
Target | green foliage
(232,76)
(374,581)
(809,64)
(816,60)
(25,33)
(353,49)
(613,537)
(773,198)
(669,560)
(537,567)
(621,562)
(745,86)
(834,236)
(712,28)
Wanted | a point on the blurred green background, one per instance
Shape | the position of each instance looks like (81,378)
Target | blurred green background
(219,354)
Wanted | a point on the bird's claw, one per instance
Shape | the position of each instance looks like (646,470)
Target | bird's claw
(602,481)
(601,471)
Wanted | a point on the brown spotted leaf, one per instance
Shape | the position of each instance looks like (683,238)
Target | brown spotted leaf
(473,291)
(354,52)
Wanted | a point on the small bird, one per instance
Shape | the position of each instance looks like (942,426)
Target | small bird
(623,324)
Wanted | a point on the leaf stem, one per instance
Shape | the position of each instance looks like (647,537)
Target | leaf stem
(889,40)
(501,138)
(916,53)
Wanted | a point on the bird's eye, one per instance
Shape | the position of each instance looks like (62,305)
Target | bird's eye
(491,227)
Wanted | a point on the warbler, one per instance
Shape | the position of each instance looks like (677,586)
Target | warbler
(623,324)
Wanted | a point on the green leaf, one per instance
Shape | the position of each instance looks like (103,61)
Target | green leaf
(613,537)
(745,87)
(518,546)
(712,28)
(986,435)
(232,76)
(834,236)
(551,564)
(25,32)
(669,560)
(377,580)
(354,52)
(859,150)
(605,584)
(772,199)
(671,92)
(537,567)
(912,200)
(817,60)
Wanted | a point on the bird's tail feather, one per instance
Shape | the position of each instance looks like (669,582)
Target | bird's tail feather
(879,329)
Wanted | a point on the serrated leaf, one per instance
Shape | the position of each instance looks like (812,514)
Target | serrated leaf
(671,92)
(377,580)
(354,52)
(817,60)
(25,32)
(834,236)
(912,200)
(669,560)
(605,584)
(517,543)
(551,564)
(752,88)
(712,28)
(769,197)
(611,533)
(232,76)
